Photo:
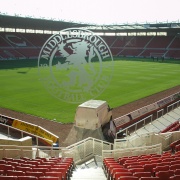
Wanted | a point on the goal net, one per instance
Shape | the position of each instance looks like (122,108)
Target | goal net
(157,56)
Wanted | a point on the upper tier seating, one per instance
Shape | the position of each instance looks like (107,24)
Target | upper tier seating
(27,45)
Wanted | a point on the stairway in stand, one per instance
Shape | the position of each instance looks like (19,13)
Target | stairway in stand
(88,174)
(91,170)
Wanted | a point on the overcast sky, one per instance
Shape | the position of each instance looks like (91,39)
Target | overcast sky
(97,11)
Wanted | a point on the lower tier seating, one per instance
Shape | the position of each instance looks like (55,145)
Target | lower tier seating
(152,166)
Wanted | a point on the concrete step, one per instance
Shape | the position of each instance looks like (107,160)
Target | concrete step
(174,115)
(158,124)
(164,121)
(177,110)
(88,174)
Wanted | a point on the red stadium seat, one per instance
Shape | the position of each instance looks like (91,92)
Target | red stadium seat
(117,175)
(163,164)
(15,173)
(13,164)
(155,155)
(107,167)
(111,167)
(36,163)
(177,172)
(118,170)
(108,164)
(42,158)
(2,172)
(8,177)
(133,170)
(40,161)
(175,162)
(48,178)
(36,174)
(174,167)
(27,178)
(156,161)
(175,177)
(165,174)
(6,168)
(40,170)
(19,161)
(170,127)
(128,164)
(128,178)
(25,158)
(143,159)
(24,169)
(161,168)
(177,147)
(67,165)
(28,165)
(62,170)
(130,161)
(145,156)
(168,159)
(49,163)
(142,174)
(7,159)
(109,161)
(55,174)
(44,166)
(135,166)
(143,162)
(122,160)
(2,166)
(166,153)
(173,144)
(149,178)
(149,168)
(2,161)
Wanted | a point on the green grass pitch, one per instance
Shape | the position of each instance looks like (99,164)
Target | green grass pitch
(21,90)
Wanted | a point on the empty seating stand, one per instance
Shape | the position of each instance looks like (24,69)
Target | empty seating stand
(34,169)
(28,45)
(145,167)
(174,144)
(172,127)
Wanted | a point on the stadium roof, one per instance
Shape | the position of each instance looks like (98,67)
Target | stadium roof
(54,25)
(99,12)
(33,23)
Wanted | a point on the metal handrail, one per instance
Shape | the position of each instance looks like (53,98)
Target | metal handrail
(172,105)
(161,110)
(135,124)
(81,150)
(24,132)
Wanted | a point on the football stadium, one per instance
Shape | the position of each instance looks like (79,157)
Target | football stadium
(89,90)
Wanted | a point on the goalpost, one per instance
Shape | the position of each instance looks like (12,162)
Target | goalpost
(157,56)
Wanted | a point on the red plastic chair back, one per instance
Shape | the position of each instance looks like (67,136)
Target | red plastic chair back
(165,174)
(117,175)
(129,178)
(27,178)
(8,177)
(48,178)
(55,174)
(175,177)
(142,174)
(36,174)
